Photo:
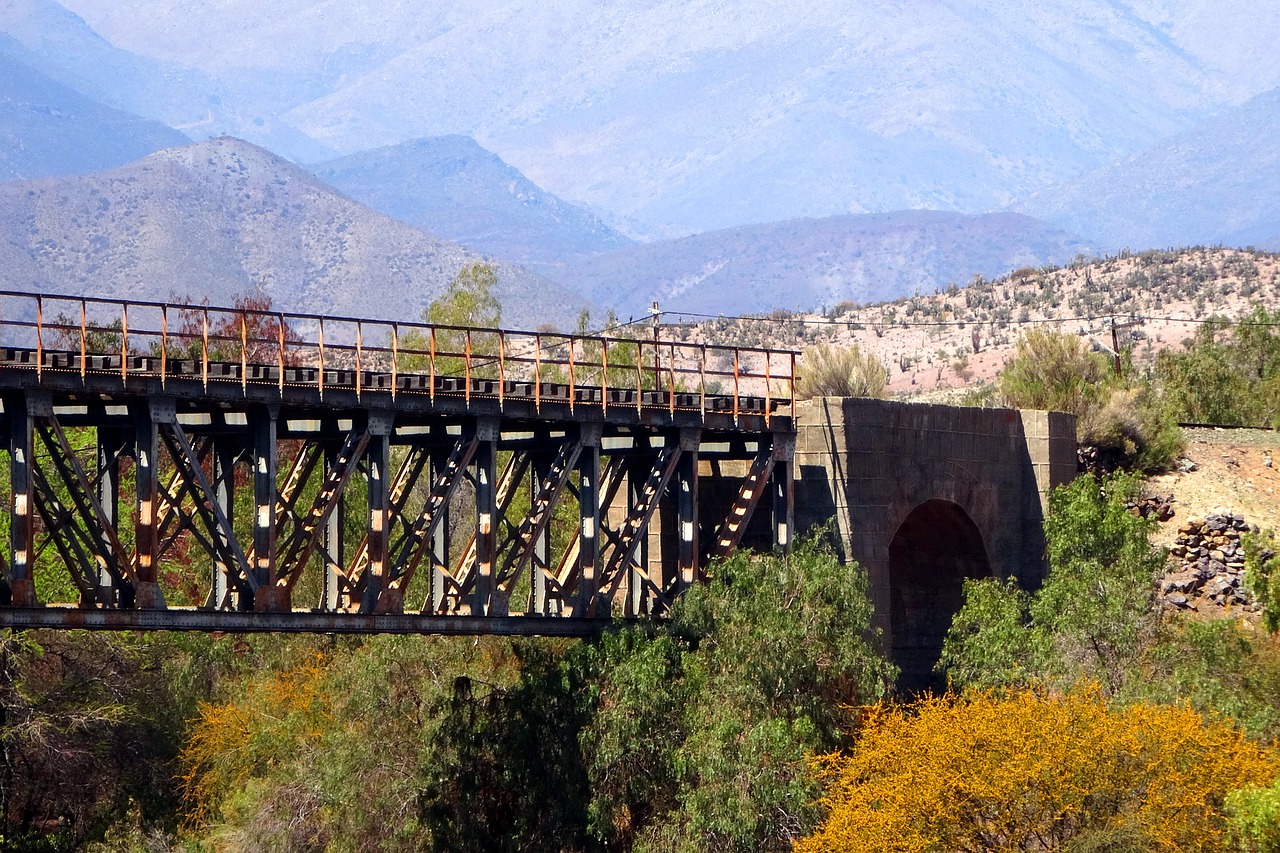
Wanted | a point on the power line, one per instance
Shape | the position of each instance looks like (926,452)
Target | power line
(826,321)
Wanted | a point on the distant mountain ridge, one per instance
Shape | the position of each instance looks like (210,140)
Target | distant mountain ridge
(221,218)
(1216,183)
(48,129)
(677,117)
(451,187)
(806,263)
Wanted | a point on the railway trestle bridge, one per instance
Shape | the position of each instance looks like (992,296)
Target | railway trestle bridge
(188,467)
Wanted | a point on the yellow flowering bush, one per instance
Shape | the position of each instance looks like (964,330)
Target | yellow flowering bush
(1026,770)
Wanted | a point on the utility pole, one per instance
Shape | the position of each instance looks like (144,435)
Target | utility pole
(657,364)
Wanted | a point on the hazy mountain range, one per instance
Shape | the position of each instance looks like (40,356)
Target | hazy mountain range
(1215,183)
(808,263)
(792,159)
(677,116)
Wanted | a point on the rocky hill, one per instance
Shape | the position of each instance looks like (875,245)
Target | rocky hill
(221,218)
(944,344)
(451,187)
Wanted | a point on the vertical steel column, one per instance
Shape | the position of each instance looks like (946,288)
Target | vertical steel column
(782,490)
(589,520)
(540,547)
(109,444)
(333,541)
(688,556)
(486,462)
(264,428)
(146,452)
(378,461)
(638,468)
(21,527)
(439,537)
(224,494)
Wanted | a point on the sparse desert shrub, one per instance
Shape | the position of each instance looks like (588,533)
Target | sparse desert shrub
(1054,371)
(828,371)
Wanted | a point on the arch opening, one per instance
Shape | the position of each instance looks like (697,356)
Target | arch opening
(933,551)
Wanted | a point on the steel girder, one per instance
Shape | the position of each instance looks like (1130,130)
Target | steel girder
(155,512)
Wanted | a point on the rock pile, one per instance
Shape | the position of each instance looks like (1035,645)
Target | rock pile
(1210,562)
(1159,507)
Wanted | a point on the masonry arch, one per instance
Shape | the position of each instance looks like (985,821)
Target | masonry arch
(934,549)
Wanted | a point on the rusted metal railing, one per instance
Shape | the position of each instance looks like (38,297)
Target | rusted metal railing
(251,346)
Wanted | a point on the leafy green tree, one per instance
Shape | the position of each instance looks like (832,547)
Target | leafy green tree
(89,730)
(1229,373)
(1054,371)
(467,303)
(1262,575)
(757,665)
(1090,618)
(1254,815)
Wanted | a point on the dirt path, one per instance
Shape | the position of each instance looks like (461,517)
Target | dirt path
(1232,472)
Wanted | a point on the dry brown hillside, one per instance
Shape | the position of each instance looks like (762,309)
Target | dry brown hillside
(941,344)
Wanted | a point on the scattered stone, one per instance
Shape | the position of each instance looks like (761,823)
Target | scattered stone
(1186,466)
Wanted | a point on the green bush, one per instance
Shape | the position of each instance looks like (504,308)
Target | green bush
(1262,575)
(1090,618)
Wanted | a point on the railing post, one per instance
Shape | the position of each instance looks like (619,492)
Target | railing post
(320,375)
(702,380)
(573,391)
(735,385)
(124,342)
(280,358)
(39,338)
(502,371)
(395,358)
(244,352)
(604,375)
(466,367)
(359,357)
(84,338)
(537,373)
(164,345)
(204,350)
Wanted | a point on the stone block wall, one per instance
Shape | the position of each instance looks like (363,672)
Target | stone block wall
(868,464)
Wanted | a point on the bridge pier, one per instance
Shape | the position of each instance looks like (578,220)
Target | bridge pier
(926,495)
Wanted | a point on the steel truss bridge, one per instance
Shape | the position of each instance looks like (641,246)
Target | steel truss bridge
(186,467)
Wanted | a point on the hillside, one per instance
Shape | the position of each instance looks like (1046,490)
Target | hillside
(943,344)
(676,117)
(221,218)
(48,129)
(451,187)
(806,263)
(1215,183)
